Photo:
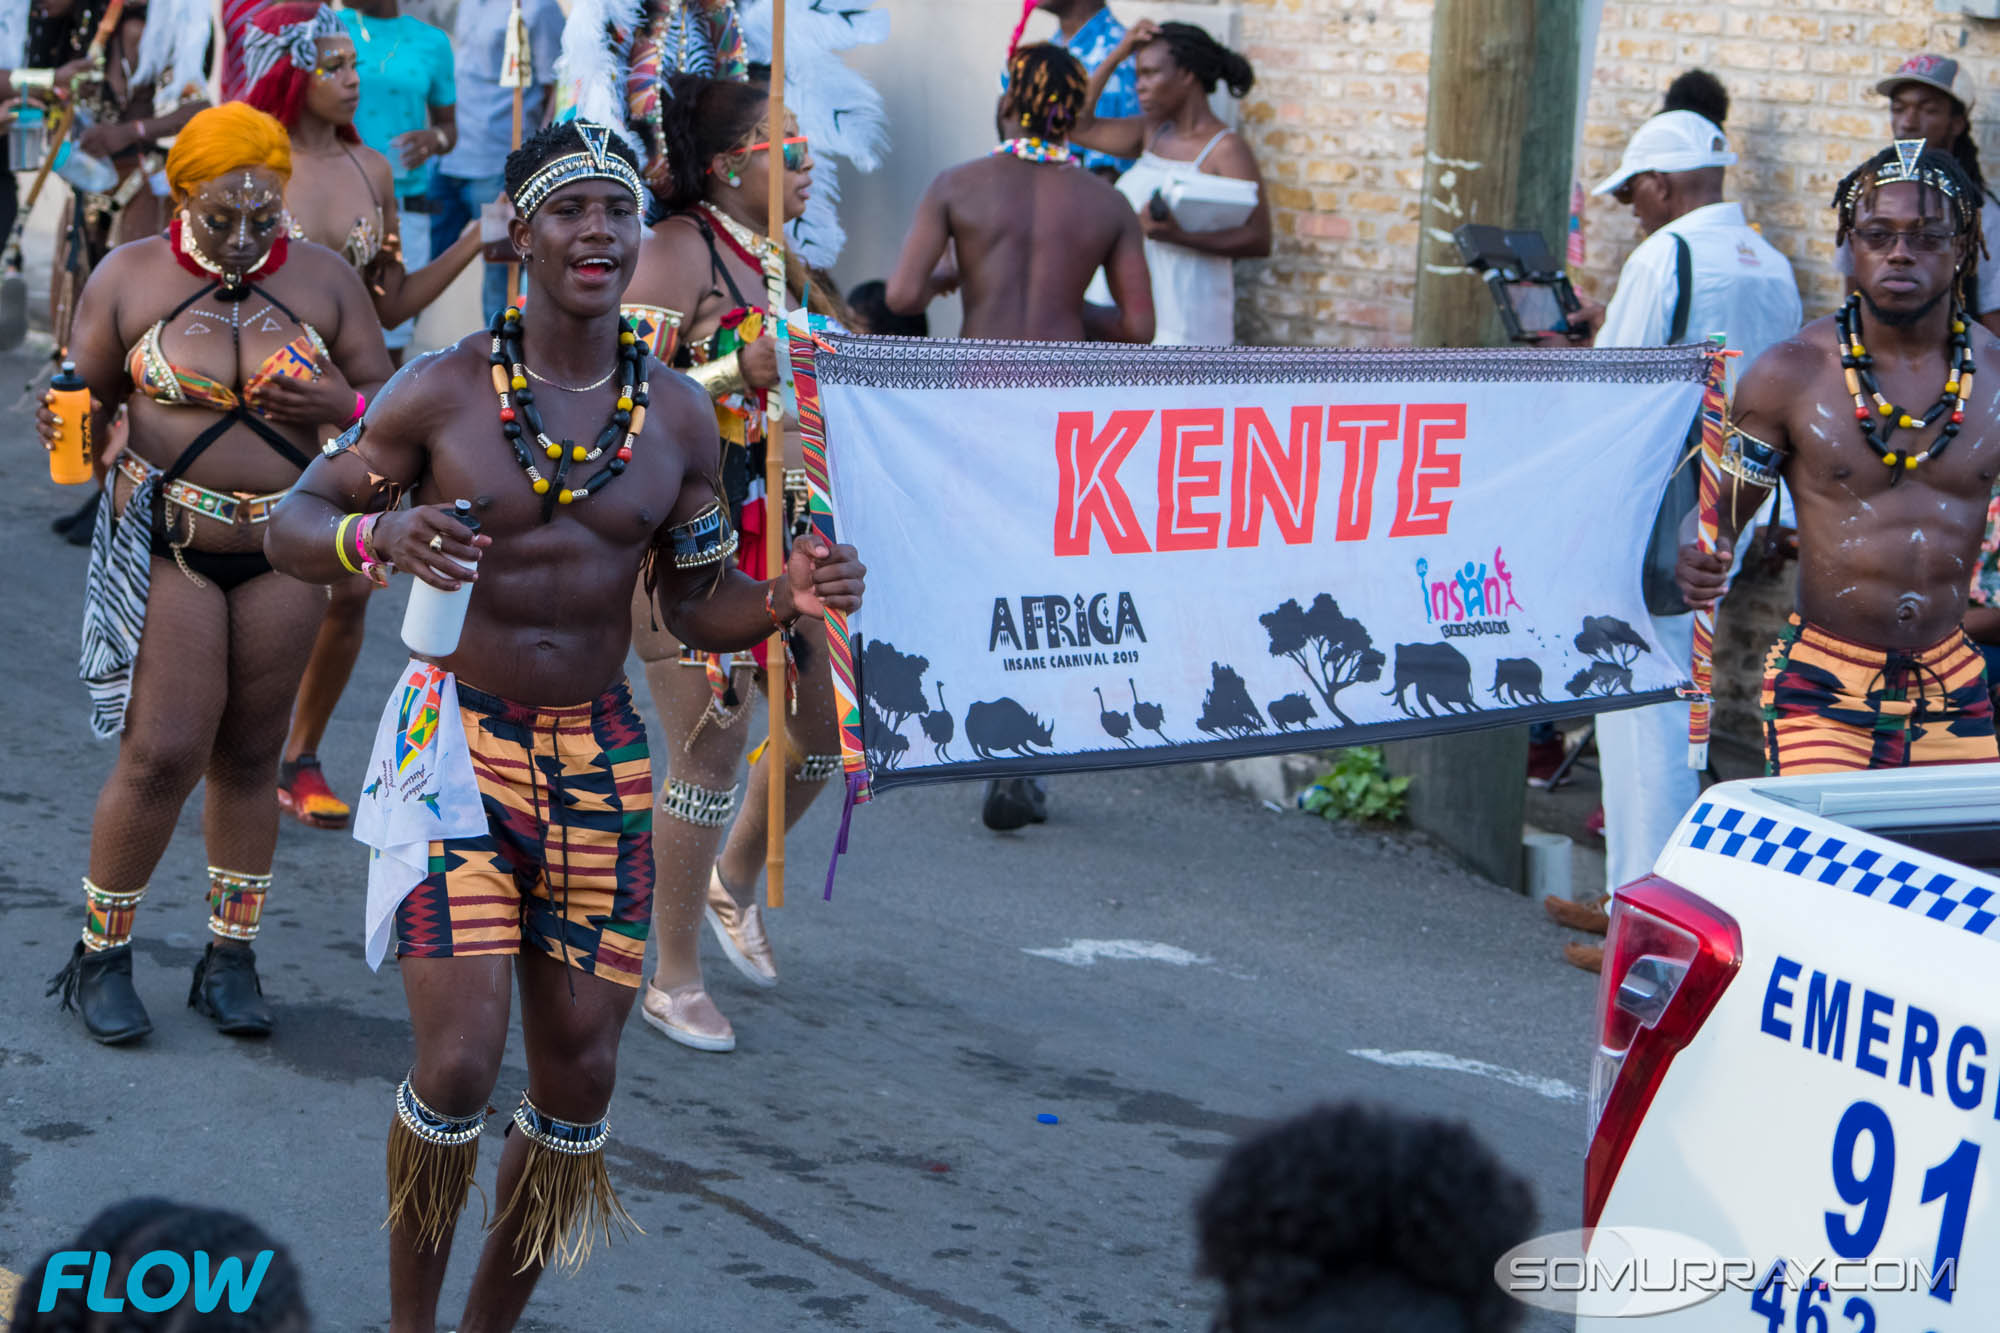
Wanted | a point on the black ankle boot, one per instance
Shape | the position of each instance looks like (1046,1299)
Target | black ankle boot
(99,984)
(226,991)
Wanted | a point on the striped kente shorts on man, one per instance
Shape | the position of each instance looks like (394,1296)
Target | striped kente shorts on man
(1830,706)
(566,863)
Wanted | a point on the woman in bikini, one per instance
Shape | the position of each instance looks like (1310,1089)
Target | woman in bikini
(301,68)
(699,296)
(1176,137)
(230,344)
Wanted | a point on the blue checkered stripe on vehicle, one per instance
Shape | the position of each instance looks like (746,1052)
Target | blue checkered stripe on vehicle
(1838,863)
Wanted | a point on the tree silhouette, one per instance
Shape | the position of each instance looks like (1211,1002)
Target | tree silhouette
(1609,639)
(1228,708)
(894,681)
(1333,650)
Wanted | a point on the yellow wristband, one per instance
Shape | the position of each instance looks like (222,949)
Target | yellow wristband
(340,542)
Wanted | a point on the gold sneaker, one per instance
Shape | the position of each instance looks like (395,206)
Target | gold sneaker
(671,1011)
(740,932)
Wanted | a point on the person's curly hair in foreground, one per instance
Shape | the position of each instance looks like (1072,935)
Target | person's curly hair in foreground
(1354,1219)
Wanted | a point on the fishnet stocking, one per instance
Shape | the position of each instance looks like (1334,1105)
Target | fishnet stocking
(211,694)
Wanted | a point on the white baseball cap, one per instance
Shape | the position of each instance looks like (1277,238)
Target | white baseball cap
(1671,141)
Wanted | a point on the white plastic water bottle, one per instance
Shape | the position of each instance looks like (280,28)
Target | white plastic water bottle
(435,618)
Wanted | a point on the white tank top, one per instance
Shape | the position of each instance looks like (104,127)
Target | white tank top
(1194,294)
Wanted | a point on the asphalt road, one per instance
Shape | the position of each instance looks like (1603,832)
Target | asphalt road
(870,1157)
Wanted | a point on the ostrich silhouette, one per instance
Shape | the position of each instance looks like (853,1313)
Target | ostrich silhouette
(1118,726)
(938,726)
(1151,716)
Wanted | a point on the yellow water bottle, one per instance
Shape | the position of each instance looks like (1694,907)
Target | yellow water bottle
(70,456)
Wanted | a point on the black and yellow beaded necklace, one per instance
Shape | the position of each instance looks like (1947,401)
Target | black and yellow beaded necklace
(1879,417)
(519,420)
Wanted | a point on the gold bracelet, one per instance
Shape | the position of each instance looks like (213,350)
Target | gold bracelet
(722,377)
(34,78)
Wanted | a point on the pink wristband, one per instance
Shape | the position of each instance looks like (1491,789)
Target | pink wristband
(360,407)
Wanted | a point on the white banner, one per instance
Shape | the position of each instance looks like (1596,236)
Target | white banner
(1094,557)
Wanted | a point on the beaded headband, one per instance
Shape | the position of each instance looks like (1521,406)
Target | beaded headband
(1907,166)
(595,162)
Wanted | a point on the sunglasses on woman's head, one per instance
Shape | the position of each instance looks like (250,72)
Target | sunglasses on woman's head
(795,151)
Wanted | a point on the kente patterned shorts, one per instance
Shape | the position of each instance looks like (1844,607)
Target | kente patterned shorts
(1830,706)
(566,863)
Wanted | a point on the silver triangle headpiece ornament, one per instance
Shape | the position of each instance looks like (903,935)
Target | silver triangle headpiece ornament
(594,161)
(1907,166)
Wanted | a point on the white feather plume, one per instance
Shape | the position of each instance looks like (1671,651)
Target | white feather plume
(13,34)
(837,109)
(172,47)
(591,66)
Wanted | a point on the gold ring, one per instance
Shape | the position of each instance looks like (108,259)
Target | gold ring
(437,541)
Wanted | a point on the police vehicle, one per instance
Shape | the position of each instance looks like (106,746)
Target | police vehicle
(1798,1055)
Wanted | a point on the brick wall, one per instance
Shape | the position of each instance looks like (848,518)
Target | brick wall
(1337,120)
(1803,110)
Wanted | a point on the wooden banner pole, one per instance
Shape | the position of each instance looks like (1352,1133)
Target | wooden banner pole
(777,750)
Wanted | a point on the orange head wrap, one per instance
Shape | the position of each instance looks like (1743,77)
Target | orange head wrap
(222,139)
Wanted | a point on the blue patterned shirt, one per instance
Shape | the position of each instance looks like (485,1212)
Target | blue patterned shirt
(1093,42)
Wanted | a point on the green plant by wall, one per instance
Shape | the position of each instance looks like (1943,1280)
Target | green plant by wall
(1358,787)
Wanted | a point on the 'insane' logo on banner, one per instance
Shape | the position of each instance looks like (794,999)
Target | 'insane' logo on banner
(1468,600)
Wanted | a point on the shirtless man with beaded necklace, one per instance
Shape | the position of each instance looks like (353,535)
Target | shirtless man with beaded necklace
(1882,418)
(557,888)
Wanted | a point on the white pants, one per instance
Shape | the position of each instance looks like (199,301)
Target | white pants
(1642,758)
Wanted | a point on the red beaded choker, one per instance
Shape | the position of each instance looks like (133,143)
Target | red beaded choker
(197,263)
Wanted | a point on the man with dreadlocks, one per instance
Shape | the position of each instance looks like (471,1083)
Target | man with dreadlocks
(511,787)
(1882,418)
(1028,231)
(1924,103)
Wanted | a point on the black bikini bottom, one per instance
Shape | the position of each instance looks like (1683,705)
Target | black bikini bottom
(227,570)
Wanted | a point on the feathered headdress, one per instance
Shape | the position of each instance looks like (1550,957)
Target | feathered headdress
(172,49)
(838,110)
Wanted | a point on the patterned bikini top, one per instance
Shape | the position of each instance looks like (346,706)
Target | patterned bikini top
(165,383)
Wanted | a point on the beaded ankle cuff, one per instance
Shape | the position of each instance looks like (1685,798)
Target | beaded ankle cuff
(697,805)
(818,768)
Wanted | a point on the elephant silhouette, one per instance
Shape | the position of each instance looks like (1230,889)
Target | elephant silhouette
(1518,680)
(1438,674)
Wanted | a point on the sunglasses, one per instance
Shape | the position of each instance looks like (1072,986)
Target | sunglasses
(1923,241)
(1623,194)
(795,151)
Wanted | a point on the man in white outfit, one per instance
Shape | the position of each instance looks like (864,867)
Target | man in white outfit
(1737,286)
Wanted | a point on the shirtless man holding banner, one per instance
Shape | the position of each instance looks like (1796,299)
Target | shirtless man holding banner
(1881,417)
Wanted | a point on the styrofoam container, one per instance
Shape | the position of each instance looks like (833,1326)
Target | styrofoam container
(1211,203)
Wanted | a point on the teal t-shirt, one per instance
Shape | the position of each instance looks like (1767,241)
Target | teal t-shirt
(405,69)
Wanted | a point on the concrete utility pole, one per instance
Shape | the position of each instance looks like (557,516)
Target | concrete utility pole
(1500,139)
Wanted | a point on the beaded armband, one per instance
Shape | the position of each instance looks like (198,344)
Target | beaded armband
(1750,459)
(706,539)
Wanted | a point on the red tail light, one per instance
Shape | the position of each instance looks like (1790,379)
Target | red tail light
(1668,957)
